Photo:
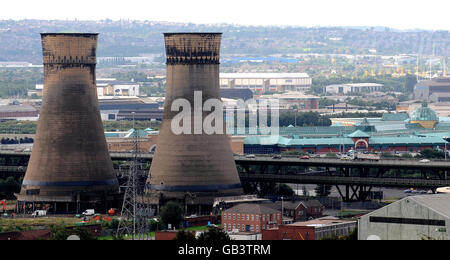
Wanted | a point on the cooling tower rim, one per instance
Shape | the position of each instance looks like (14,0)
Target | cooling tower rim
(192,33)
(70,34)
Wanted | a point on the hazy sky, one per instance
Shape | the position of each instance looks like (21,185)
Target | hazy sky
(400,14)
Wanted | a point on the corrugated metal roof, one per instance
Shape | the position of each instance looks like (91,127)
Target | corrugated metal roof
(440,203)
(17,108)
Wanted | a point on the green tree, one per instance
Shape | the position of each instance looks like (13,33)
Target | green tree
(214,235)
(431,154)
(172,213)
(185,237)
(62,233)
(284,190)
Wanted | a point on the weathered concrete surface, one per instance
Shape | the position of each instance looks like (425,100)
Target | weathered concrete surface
(194,166)
(70,154)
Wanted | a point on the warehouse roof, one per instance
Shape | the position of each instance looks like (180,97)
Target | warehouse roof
(374,140)
(395,117)
(17,108)
(439,203)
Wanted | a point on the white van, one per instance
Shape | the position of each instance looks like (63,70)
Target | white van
(89,212)
(39,213)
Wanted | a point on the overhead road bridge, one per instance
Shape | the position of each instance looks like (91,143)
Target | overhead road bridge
(357,177)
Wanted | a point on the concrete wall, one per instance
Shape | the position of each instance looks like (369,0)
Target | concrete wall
(406,208)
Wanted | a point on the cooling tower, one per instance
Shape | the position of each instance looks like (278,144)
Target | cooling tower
(70,161)
(192,167)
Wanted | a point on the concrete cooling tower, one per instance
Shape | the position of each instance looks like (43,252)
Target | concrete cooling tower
(70,168)
(192,168)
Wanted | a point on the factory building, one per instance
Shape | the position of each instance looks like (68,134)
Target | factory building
(317,229)
(106,88)
(113,87)
(19,112)
(295,100)
(267,82)
(353,88)
(425,217)
(129,109)
(436,89)
(235,93)
(390,134)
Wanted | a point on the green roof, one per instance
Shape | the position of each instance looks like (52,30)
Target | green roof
(424,113)
(395,117)
(425,139)
(137,133)
(359,134)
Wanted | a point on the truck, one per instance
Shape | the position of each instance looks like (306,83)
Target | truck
(366,157)
(39,213)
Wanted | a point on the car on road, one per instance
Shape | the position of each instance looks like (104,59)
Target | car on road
(304,157)
(250,156)
(277,157)
(425,161)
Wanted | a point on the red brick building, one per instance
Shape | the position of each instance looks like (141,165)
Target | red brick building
(299,210)
(310,209)
(311,230)
(250,218)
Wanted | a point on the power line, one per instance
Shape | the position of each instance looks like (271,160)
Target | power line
(135,214)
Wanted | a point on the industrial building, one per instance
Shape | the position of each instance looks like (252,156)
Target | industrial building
(19,112)
(352,88)
(267,82)
(392,133)
(113,87)
(250,217)
(425,217)
(436,89)
(317,229)
(107,87)
(236,93)
(192,168)
(70,168)
(294,100)
(128,109)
